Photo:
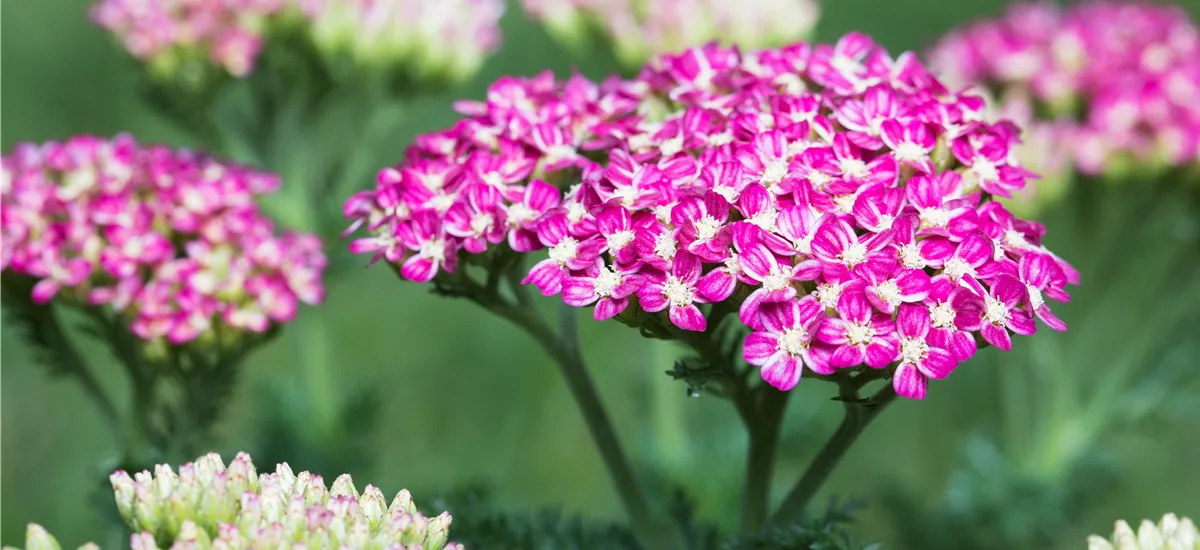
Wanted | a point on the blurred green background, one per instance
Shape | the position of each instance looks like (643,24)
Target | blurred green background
(467,398)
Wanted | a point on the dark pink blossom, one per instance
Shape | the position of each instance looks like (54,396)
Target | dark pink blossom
(781,349)
(860,334)
(676,291)
(920,359)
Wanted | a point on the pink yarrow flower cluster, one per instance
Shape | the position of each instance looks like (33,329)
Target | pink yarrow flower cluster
(228,33)
(172,239)
(1119,78)
(837,197)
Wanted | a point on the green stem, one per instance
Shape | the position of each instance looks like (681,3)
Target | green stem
(51,331)
(565,352)
(667,406)
(760,460)
(859,415)
(320,388)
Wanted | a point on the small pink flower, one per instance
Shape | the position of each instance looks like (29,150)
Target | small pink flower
(911,143)
(522,217)
(954,313)
(887,289)
(566,253)
(959,261)
(434,250)
(477,218)
(859,334)
(781,349)
(920,359)
(676,290)
(604,286)
(702,229)
(1001,312)
(1042,277)
(840,250)
(938,200)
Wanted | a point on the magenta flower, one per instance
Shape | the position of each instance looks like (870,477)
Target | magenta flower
(781,350)
(701,222)
(605,286)
(859,335)
(478,220)
(920,359)
(171,240)
(1000,311)
(522,216)
(676,290)
(954,314)
(889,287)
(1042,277)
(566,253)
(840,250)
(433,250)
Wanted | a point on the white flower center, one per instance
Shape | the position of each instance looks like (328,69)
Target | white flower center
(909,151)
(1035,297)
(493,179)
(442,203)
(985,170)
(607,282)
(854,167)
(677,293)
(996,312)
(434,249)
(889,291)
(943,315)
(518,213)
(481,223)
(956,268)
(819,179)
(731,264)
(671,146)
(564,251)
(575,212)
(794,342)
(828,294)
(854,254)
(860,334)
(1015,239)
(558,153)
(627,194)
(777,280)
(765,219)
(774,172)
(663,213)
(845,203)
(620,239)
(706,228)
(664,246)
(913,350)
(934,217)
(910,257)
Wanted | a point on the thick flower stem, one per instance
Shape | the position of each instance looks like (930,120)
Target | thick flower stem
(859,415)
(564,350)
(50,331)
(760,460)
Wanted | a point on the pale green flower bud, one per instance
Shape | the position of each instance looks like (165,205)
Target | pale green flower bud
(343,486)
(143,541)
(438,532)
(402,503)
(123,492)
(242,476)
(315,493)
(193,535)
(147,514)
(374,507)
(36,538)
(287,480)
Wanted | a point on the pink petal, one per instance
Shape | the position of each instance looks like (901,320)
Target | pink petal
(976,249)
(1021,322)
(882,351)
(579,291)
(1050,319)
(996,336)
(782,371)
(909,382)
(547,276)
(419,269)
(688,318)
(607,308)
(759,347)
(778,317)
(651,298)
(938,363)
(848,356)
(716,285)
(913,322)
(687,268)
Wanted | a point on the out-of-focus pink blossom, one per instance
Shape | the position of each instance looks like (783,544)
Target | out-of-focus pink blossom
(170,238)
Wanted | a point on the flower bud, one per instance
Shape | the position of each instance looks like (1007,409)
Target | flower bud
(402,503)
(374,507)
(147,511)
(287,480)
(316,492)
(123,488)
(439,532)
(36,538)
(190,532)
(343,486)
(142,541)
(1148,536)
(242,476)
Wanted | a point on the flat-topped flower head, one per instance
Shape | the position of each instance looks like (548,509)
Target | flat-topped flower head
(1098,84)
(210,505)
(640,29)
(169,239)
(839,199)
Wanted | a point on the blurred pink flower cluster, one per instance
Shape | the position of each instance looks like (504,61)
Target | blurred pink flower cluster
(641,29)
(453,36)
(836,196)
(228,32)
(1117,79)
(170,238)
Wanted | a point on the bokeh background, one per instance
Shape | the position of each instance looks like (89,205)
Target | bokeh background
(463,398)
